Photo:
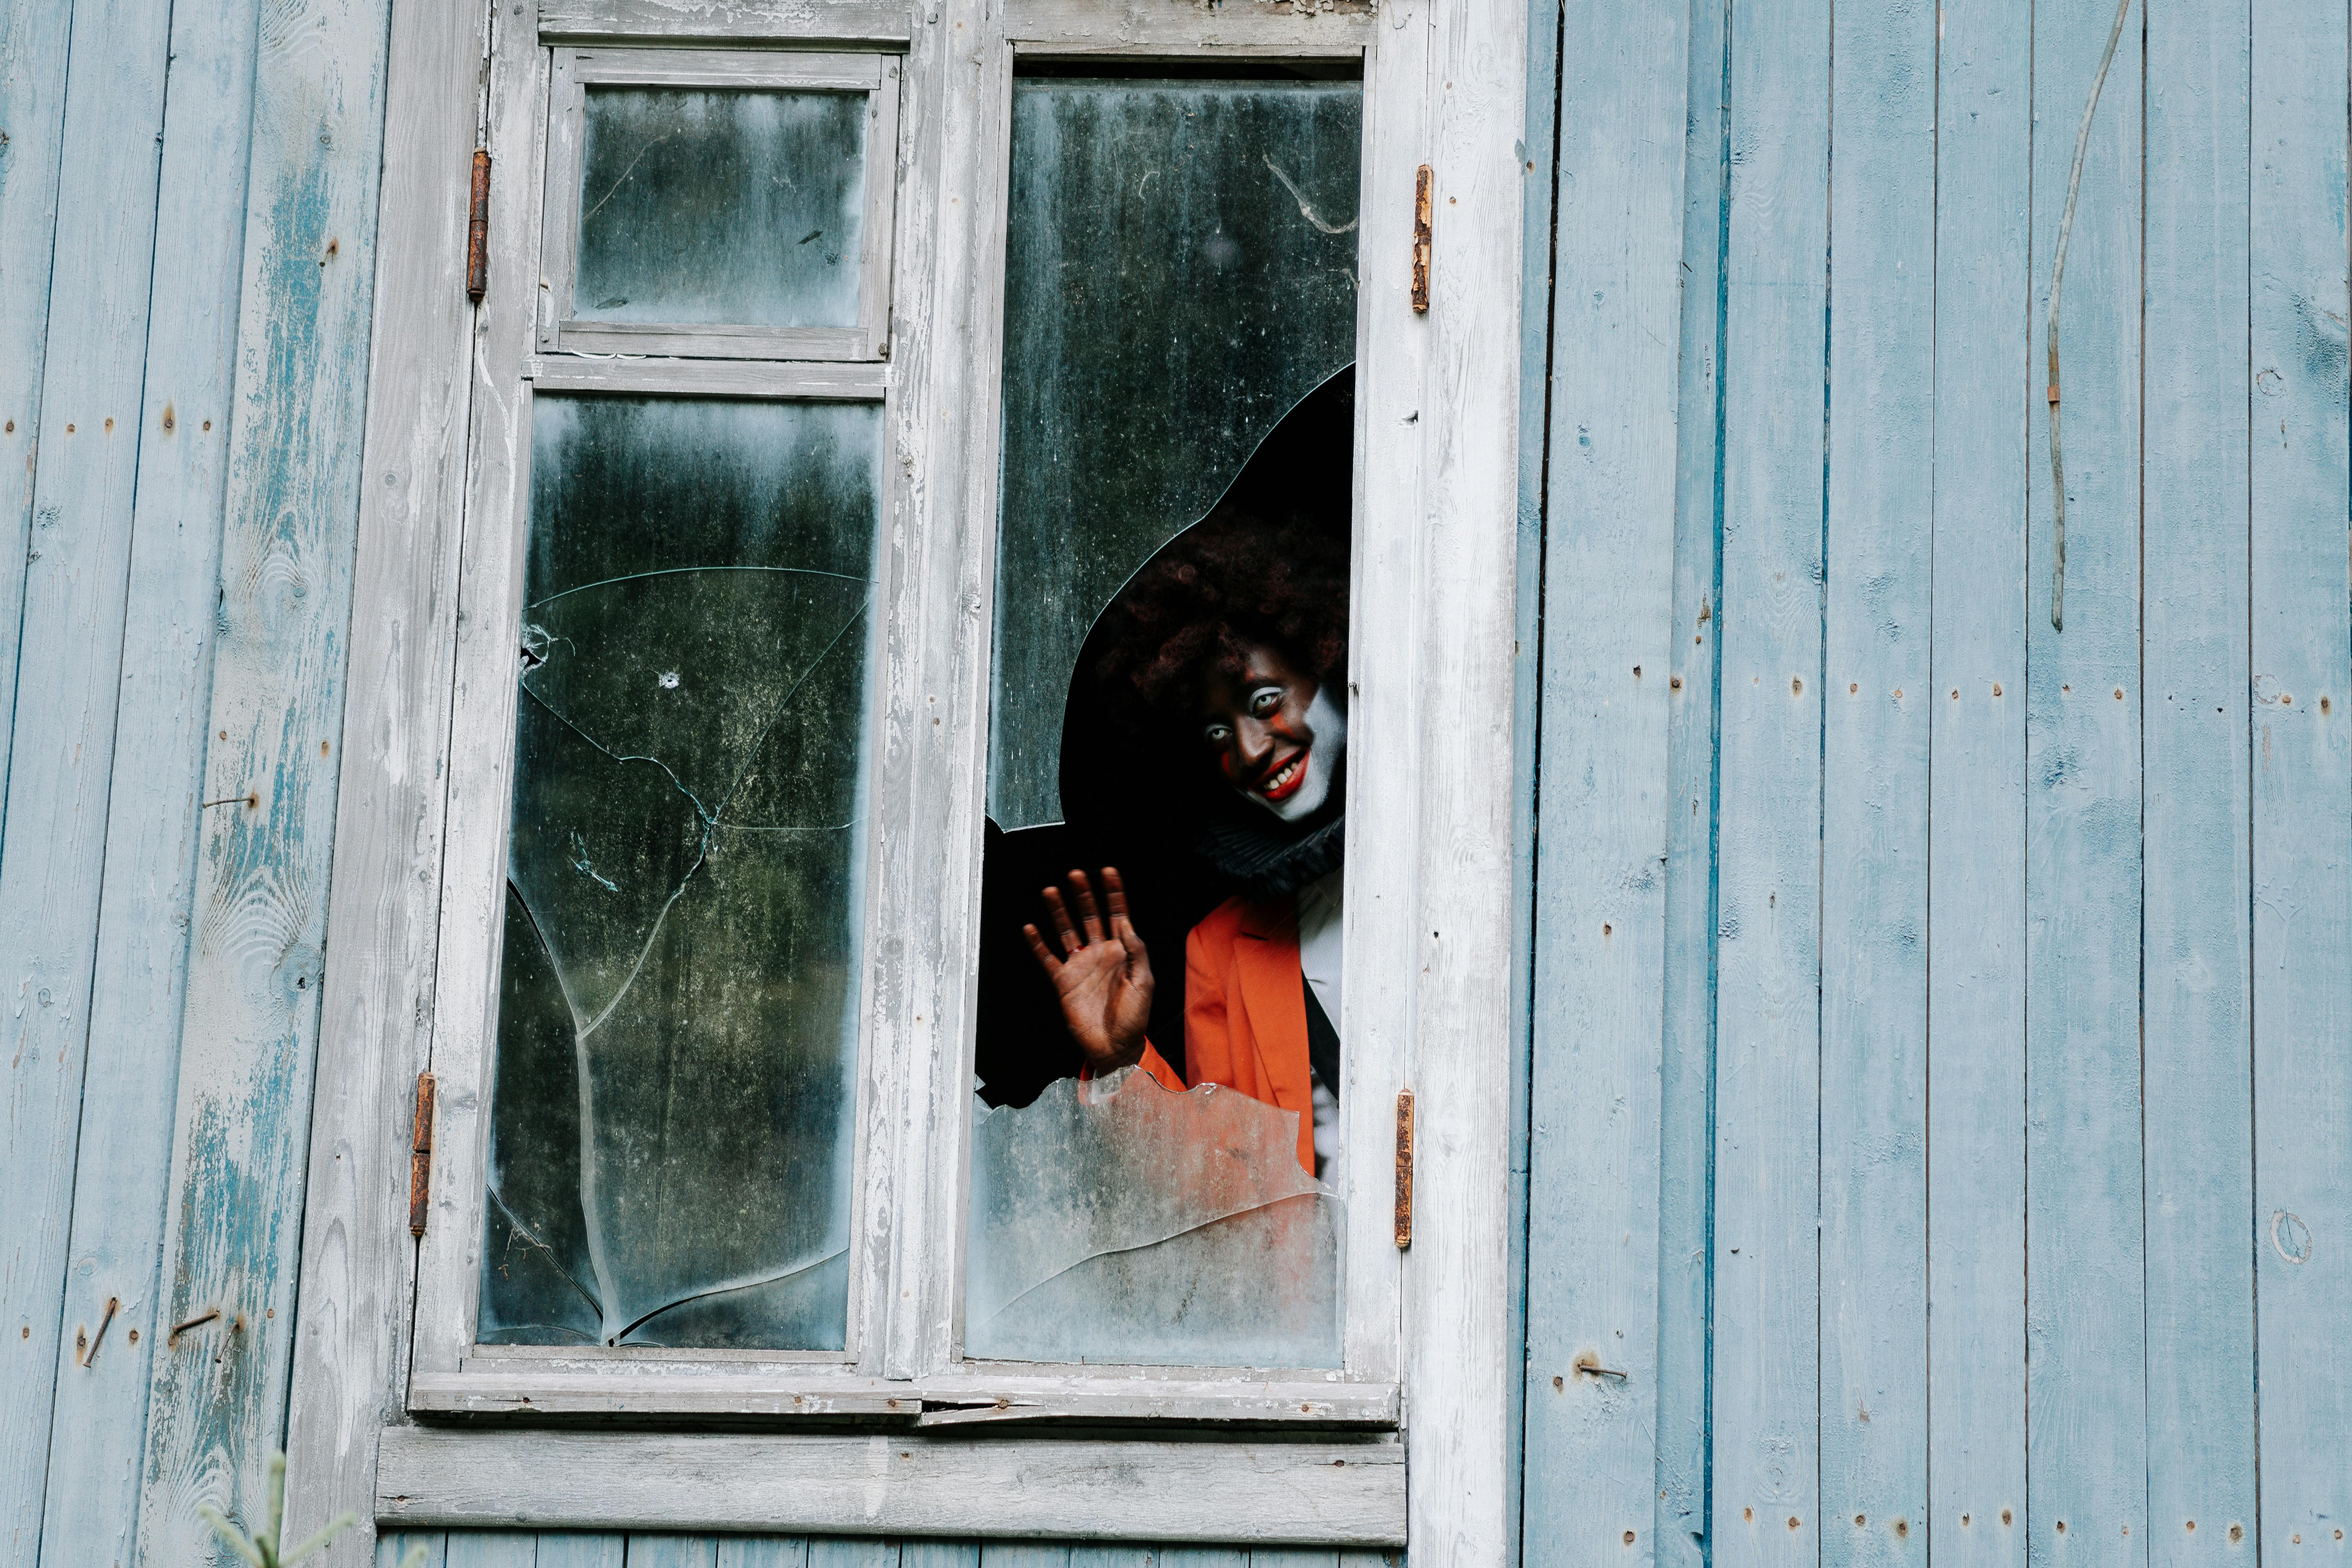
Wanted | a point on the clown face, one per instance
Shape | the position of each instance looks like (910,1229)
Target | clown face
(1275,732)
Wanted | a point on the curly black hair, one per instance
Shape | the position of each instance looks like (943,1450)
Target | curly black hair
(1230,580)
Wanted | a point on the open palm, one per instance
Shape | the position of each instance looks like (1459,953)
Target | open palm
(1101,973)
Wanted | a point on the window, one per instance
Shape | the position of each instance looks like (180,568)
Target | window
(672,882)
(845,374)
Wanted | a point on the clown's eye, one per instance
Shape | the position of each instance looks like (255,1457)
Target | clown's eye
(1264,700)
(1217,734)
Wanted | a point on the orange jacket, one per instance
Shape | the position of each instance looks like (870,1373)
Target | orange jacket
(1246,1011)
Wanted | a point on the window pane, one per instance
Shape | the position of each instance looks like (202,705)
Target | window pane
(1180,270)
(701,206)
(1180,309)
(673,1106)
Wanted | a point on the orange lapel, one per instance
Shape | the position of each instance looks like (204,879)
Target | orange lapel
(1266,960)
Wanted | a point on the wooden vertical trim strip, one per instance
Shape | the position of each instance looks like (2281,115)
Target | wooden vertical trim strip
(1462,1375)
(349,1364)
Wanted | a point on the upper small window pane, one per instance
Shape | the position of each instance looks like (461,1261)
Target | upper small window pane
(703,206)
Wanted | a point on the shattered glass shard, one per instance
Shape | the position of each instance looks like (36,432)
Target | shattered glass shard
(1118,1222)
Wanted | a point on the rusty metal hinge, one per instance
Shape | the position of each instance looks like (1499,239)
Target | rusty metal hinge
(1404,1169)
(477,230)
(1420,198)
(420,1156)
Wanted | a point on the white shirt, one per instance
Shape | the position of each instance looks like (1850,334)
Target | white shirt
(1319,929)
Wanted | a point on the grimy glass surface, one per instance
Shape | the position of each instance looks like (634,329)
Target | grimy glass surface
(1180,270)
(703,206)
(672,1111)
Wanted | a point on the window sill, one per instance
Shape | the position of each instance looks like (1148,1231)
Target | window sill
(910,1484)
(975,1396)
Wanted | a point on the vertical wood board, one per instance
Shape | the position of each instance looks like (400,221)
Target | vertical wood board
(2087,1441)
(2302,779)
(123,1160)
(257,924)
(66,659)
(1877,707)
(2197,1077)
(1686,1079)
(1976,905)
(1767,1066)
(1603,813)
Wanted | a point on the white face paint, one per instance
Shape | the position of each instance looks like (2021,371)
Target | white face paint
(1327,750)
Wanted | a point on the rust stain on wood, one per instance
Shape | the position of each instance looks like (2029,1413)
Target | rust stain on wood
(1420,197)
(477,230)
(1404,1169)
(420,1157)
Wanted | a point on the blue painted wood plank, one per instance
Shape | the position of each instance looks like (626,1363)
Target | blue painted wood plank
(673,1552)
(1294,1559)
(392,1550)
(33,54)
(1687,1081)
(2087,1442)
(1976,913)
(53,825)
(2302,665)
(1767,1021)
(127,1102)
(852,1552)
(758,1551)
(2197,1041)
(1603,810)
(567,1549)
(1035,1554)
(492,1549)
(242,1121)
(1877,715)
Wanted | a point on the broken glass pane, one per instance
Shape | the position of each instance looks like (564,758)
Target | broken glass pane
(671,1118)
(1118,1221)
(1180,271)
(703,206)
(1180,318)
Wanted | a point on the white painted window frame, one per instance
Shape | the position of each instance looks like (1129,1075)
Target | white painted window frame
(414,978)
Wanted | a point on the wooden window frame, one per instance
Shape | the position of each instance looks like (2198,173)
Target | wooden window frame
(577,66)
(1429,928)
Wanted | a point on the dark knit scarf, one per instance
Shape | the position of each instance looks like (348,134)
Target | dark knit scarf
(1266,858)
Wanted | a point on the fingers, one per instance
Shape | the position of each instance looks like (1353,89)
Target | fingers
(1114,895)
(1088,915)
(1060,914)
(1046,958)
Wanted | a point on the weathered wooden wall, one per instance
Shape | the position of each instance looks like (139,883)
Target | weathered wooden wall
(1941,1123)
